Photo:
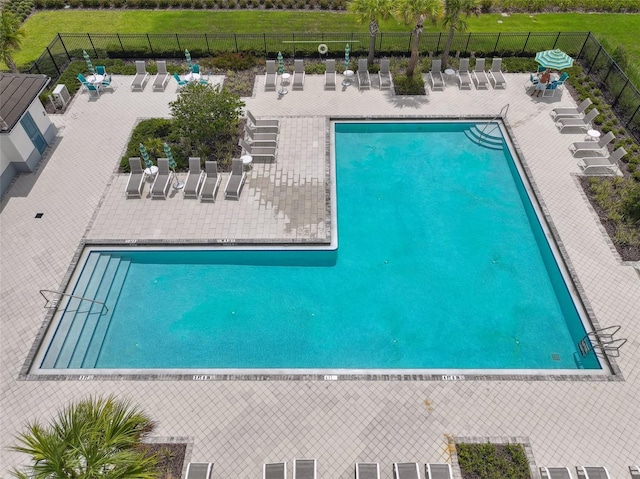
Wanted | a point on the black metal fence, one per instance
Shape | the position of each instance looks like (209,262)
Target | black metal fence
(622,94)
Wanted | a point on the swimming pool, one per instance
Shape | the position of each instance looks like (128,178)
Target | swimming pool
(443,264)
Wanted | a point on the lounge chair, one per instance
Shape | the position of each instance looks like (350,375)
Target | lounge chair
(211,181)
(561,81)
(555,473)
(181,83)
(364,79)
(270,76)
(438,471)
(367,470)
(162,77)
(464,77)
(635,472)
(384,75)
(136,178)
(298,74)
(265,154)
(140,79)
(597,166)
(194,178)
(274,470)
(499,81)
(482,81)
(580,123)
(236,179)
(330,74)
(264,126)
(406,470)
(558,113)
(435,74)
(262,139)
(199,470)
(161,183)
(591,148)
(592,472)
(304,469)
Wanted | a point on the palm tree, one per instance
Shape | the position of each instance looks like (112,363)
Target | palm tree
(370,11)
(11,35)
(416,12)
(452,11)
(94,438)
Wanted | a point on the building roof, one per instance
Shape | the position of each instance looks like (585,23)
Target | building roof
(17,92)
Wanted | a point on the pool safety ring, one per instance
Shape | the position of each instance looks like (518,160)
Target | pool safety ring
(322,49)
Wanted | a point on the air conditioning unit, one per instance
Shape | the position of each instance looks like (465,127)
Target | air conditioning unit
(61,94)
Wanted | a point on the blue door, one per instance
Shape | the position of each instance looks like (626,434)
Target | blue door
(32,131)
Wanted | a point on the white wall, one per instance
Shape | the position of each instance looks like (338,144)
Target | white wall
(39,115)
(7,152)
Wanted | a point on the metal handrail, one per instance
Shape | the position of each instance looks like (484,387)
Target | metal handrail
(603,340)
(42,291)
(506,108)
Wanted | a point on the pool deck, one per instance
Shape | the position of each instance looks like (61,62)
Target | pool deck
(239,425)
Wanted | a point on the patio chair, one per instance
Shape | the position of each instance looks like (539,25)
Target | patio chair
(262,139)
(211,181)
(591,148)
(304,469)
(101,70)
(384,75)
(561,81)
(330,74)
(435,75)
(464,77)
(195,68)
(438,471)
(199,470)
(635,472)
(161,183)
(271,76)
(181,83)
(263,125)
(480,76)
(298,74)
(136,179)
(555,473)
(264,154)
(194,178)
(367,470)
(140,79)
(364,79)
(406,470)
(580,123)
(499,81)
(274,470)
(600,166)
(592,472)
(162,77)
(106,82)
(236,179)
(558,113)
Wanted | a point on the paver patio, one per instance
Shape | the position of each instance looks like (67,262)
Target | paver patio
(239,425)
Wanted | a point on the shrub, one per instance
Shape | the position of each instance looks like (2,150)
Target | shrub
(493,461)
(405,85)
(268,4)
(234,61)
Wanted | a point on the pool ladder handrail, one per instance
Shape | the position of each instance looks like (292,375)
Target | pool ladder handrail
(602,340)
(53,303)
(505,109)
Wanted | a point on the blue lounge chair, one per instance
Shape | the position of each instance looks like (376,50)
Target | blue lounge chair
(181,83)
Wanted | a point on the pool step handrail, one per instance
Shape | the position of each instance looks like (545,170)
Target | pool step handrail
(500,114)
(53,303)
(602,341)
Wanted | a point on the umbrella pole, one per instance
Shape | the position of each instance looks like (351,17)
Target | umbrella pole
(178,184)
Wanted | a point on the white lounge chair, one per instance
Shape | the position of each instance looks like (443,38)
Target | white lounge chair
(161,183)
(384,75)
(263,125)
(367,470)
(236,179)
(274,470)
(264,154)
(580,123)
(141,77)
(591,148)
(271,76)
(499,81)
(330,74)
(406,470)
(199,470)
(194,178)
(136,178)
(464,77)
(438,471)
(162,77)
(435,74)
(596,166)
(592,472)
(480,76)
(262,139)
(298,74)
(555,473)
(558,113)
(211,181)
(304,469)
(364,79)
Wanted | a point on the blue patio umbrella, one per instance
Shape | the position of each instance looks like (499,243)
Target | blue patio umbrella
(145,156)
(556,59)
(88,60)
(346,57)
(188,57)
(172,164)
(280,64)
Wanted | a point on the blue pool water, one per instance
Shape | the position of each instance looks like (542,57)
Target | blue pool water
(441,264)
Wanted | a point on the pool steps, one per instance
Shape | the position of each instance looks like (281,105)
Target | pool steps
(491,137)
(83,325)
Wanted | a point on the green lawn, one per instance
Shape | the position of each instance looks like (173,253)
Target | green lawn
(616,29)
